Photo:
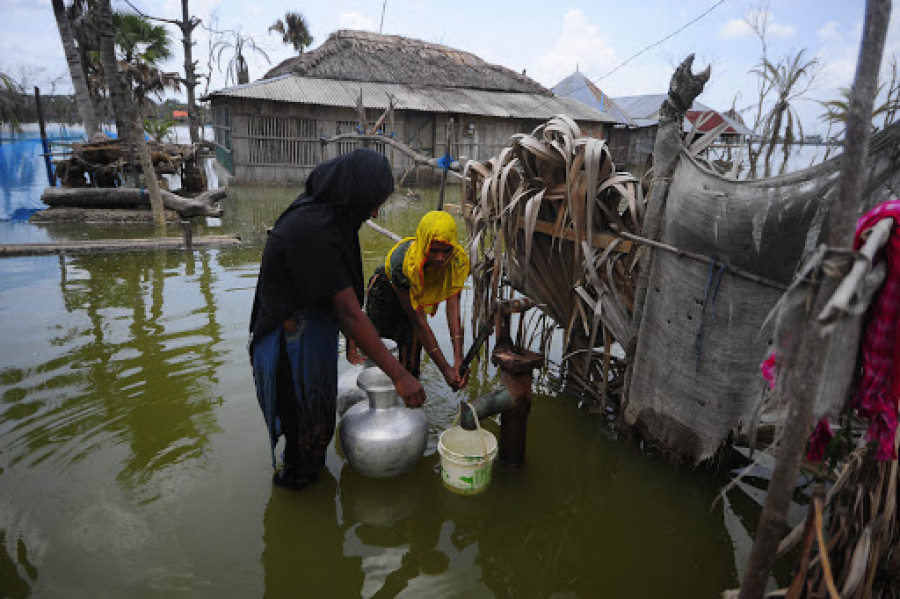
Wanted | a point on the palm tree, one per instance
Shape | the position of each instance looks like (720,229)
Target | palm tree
(836,110)
(237,69)
(146,79)
(790,78)
(138,38)
(11,105)
(294,30)
(86,108)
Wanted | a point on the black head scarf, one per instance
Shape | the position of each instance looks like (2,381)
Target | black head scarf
(313,250)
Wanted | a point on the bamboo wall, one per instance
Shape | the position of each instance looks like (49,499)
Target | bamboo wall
(632,149)
(277,143)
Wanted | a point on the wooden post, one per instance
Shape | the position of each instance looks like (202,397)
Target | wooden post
(44,144)
(391,125)
(447,130)
(187,234)
(803,351)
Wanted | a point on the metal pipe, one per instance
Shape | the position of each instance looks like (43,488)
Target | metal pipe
(485,406)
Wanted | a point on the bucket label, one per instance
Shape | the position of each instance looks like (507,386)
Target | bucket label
(477,481)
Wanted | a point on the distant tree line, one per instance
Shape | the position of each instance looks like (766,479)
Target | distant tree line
(19,106)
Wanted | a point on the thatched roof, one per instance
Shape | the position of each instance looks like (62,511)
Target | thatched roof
(364,56)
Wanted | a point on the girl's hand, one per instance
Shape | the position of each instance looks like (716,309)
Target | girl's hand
(451,377)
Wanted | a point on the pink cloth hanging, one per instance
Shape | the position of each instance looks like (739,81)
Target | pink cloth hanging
(878,389)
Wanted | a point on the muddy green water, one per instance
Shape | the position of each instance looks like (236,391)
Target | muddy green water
(134,459)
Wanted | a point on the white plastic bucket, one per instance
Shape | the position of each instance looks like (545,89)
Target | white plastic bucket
(467,458)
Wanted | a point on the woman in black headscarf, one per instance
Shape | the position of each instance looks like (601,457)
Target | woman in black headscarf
(310,286)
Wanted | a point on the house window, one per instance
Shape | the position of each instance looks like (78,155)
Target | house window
(344,127)
(276,140)
(222,137)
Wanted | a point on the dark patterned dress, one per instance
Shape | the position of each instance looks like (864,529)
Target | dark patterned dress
(386,313)
(312,253)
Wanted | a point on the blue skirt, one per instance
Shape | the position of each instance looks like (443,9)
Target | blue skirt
(296,386)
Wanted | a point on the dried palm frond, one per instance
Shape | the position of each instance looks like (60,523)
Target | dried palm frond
(543,216)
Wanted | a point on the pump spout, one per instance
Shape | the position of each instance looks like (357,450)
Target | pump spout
(513,401)
(487,405)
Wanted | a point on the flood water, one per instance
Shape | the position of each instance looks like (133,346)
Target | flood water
(134,460)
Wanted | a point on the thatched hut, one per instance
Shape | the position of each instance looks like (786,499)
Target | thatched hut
(271,131)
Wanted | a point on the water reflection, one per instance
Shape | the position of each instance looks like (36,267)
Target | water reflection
(134,460)
(16,572)
(601,524)
(116,373)
(301,528)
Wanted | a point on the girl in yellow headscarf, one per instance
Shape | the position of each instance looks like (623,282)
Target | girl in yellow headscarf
(418,274)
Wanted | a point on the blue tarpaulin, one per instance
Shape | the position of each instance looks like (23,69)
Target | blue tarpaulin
(23,175)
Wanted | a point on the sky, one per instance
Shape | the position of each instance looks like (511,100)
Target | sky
(625,48)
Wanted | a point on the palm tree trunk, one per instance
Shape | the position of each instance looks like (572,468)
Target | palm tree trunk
(127,114)
(117,92)
(86,109)
(156,201)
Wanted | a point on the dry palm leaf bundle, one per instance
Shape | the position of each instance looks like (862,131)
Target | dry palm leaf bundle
(543,217)
(851,537)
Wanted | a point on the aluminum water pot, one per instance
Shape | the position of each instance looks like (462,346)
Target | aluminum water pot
(382,437)
(348,392)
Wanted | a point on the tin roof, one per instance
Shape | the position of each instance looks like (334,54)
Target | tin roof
(644,111)
(345,94)
(580,88)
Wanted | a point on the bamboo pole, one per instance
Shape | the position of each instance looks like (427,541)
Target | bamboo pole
(94,246)
(417,158)
(684,87)
(802,349)
(448,129)
(383,231)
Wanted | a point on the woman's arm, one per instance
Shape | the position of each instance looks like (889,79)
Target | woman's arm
(456,331)
(357,326)
(426,337)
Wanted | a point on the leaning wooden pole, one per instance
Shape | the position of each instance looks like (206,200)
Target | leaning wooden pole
(803,351)
(454,168)
(45,145)
(156,202)
(684,87)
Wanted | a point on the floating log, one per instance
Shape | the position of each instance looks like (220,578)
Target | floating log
(118,216)
(115,245)
(130,198)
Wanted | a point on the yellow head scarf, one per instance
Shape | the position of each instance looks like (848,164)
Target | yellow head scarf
(429,288)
